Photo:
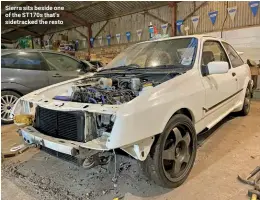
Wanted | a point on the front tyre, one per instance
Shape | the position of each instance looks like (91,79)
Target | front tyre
(247,102)
(172,156)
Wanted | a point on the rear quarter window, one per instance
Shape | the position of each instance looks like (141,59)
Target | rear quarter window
(25,61)
(235,59)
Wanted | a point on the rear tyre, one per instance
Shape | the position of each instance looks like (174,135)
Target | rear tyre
(8,99)
(247,102)
(173,154)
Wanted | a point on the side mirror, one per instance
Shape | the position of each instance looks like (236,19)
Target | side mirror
(87,68)
(217,67)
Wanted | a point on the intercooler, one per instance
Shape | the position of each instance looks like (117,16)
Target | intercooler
(60,124)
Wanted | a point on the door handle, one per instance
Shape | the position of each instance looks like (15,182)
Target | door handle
(56,75)
(233,74)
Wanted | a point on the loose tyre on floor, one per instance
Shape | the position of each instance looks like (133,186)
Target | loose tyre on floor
(8,99)
(173,154)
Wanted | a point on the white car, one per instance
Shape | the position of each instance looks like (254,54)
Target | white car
(151,101)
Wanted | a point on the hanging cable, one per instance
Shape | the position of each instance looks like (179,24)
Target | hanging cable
(226,11)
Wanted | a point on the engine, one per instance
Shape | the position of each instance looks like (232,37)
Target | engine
(106,90)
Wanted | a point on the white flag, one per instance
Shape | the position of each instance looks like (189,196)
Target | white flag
(195,21)
(139,33)
(232,12)
(100,40)
(118,37)
(164,28)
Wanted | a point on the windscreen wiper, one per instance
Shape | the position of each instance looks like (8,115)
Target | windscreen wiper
(122,67)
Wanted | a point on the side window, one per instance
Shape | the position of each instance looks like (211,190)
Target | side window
(235,59)
(59,62)
(213,51)
(24,60)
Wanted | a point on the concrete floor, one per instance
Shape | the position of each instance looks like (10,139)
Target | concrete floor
(231,148)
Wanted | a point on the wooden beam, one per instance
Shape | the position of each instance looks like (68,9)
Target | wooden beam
(21,29)
(155,17)
(69,15)
(51,36)
(189,15)
(6,40)
(81,33)
(173,6)
(101,29)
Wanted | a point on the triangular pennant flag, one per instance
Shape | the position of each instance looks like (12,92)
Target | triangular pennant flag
(164,28)
(92,41)
(213,16)
(108,39)
(179,23)
(195,22)
(118,35)
(128,35)
(232,12)
(254,5)
(100,40)
(139,33)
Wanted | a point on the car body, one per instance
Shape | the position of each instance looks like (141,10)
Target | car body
(150,101)
(24,71)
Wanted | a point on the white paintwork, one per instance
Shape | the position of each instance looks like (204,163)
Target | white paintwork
(218,67)
(147,115)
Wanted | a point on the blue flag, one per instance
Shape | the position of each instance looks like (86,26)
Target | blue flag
(128,35)
(92,41)
(108,39)
(179,23)
(213,16)
(254,5)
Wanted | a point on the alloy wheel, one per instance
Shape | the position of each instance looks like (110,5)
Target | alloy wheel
(176,155)
(7,103)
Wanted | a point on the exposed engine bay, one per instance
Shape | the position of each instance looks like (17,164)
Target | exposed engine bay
(113,90)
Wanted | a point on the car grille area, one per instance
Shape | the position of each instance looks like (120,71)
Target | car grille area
(60,124)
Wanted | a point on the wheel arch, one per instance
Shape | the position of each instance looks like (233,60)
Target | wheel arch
(13,90)
(187,112)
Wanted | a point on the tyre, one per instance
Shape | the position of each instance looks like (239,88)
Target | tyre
(247,102)
(8,99)
(172,156)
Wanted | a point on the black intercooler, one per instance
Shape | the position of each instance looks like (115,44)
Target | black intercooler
(60,124)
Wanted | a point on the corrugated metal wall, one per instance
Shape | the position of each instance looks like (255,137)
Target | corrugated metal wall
(131,23)
(243,18)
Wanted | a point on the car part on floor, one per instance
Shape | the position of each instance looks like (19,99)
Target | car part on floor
(255,193)
(8,99)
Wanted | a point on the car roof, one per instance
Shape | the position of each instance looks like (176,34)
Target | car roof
(8,51)
(186,36)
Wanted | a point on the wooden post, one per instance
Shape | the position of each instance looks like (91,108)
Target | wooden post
(173,6)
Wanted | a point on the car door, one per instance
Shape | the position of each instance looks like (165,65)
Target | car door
(240,69)
(219,88)
(25,68)
(61,67)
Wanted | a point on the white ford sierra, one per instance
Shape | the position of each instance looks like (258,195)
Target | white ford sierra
(150,101)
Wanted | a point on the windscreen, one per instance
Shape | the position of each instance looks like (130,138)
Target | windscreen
(173,52)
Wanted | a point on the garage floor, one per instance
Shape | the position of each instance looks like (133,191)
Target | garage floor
(232,148)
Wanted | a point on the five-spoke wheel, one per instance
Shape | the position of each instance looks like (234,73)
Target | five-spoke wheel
(173,153)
